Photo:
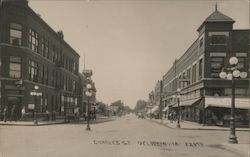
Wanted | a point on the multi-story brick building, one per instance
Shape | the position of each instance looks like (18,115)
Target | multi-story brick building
(32,53)
(204,96)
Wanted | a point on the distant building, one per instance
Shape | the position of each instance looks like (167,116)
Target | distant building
(205,98)
(32,53)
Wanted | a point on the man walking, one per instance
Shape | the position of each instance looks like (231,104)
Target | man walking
(12,113)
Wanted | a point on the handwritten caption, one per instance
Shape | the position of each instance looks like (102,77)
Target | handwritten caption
(148,143)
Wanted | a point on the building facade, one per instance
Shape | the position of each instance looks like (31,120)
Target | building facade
(33,54)
(205,97)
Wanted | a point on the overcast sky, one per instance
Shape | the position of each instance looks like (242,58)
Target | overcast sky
(129,45)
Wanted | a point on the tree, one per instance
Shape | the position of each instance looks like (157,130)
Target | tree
(140,105)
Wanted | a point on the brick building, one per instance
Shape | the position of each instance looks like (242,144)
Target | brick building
(32,53)
(206,98)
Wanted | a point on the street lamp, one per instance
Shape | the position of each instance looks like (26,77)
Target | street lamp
(35,93)
(178,103)
(88,94)
(232,74)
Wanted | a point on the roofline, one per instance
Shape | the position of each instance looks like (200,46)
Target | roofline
(198,30)
(52,30)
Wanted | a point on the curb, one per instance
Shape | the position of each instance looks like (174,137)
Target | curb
(57,123)
(205,129)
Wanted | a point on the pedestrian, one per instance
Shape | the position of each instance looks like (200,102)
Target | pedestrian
(5,113)
(12,113)
(47,114)
(23,113)
(53,115)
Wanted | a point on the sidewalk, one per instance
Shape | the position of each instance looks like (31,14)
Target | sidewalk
(241,148)
(31,123)
(58,121)
(186,125)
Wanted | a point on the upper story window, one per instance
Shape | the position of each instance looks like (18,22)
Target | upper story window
(218,38)
(33,71)
(201,42)
(217,63)
(242,61)
(33,40)
(15,67)
(15,34)
(200,68)
(194,73)
(45,48)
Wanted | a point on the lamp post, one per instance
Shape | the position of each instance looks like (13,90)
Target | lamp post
(232,74)
(88,94)
(178,103)
(35,93)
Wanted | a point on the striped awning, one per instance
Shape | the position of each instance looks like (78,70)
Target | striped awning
(187,102)
(165,109)
(154,109)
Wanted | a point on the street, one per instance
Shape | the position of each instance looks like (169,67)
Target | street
(127,136)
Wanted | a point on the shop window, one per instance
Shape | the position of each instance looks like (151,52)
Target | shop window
(33,40)
(15,34)
(15,67)
(238,91)
(217,63)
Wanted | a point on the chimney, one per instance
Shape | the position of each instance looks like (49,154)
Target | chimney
(60,34)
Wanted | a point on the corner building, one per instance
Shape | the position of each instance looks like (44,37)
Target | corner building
(206,98)
(32,53)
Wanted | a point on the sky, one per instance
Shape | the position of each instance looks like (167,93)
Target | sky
(131,44)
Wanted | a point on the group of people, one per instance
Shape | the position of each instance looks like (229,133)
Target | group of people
(92,115)
(11,113)
(173,116)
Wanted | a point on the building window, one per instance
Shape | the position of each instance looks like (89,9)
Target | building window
(201,42)
(217,63)
(33,40)
(200,68)
(33,71)
(241,63)
(15,34)
(194,73)
(218,40)
(15,67)
(238,91)
(45,48)
(74,86)
(44,74)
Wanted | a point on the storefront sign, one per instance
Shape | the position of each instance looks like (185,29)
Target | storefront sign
(31,106)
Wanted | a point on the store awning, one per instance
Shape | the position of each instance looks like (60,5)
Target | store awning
(165,109)
(187,102)
(240,103)
(154,109)
(148,112)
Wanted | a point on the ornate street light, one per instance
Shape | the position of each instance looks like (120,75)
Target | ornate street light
(232,74)
(35,93)
(178,97)
(88,94)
